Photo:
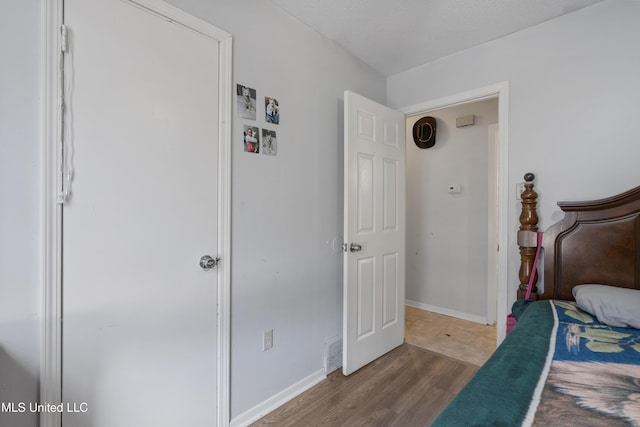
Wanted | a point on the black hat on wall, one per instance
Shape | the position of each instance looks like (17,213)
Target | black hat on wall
(424,132)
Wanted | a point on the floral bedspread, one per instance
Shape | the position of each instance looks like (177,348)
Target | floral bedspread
(592,375)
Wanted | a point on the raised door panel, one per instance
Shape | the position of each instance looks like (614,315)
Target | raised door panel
(366,196)
(366,297)
(389,289)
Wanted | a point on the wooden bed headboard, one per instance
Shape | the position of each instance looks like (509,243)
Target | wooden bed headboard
(596,242)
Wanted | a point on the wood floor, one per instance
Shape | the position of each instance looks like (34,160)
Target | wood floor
(408,386)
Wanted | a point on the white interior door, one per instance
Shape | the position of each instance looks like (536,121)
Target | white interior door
(139,313)
(374,223)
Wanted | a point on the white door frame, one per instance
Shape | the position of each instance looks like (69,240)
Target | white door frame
(51,210)
(492,240)
(501,91)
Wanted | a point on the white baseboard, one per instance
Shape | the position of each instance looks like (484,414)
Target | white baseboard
(277,400)
(447,312)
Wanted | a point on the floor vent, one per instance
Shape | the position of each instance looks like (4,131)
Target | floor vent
(332,355)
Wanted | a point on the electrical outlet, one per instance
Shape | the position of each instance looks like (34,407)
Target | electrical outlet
(267,340)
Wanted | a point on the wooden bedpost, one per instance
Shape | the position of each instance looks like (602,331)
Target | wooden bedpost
(527,238)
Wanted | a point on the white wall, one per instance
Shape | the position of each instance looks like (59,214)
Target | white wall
(447,233)
(19,206)
(286,210)
(573,87)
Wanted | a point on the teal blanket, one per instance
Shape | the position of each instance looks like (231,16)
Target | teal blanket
(559,365)
(501,391)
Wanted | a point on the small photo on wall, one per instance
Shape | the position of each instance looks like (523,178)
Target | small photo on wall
(271,110)
(246,100)
(269,142)
(251,139)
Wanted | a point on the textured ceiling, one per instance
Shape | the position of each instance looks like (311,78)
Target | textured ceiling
(395,35)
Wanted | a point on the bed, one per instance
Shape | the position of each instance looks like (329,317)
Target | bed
(574,356)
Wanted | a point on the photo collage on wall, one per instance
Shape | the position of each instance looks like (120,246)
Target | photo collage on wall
(254,141)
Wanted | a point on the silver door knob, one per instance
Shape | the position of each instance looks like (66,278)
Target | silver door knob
(207,262)
(355,247)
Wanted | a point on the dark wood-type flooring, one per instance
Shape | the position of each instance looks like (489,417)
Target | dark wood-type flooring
(408,386)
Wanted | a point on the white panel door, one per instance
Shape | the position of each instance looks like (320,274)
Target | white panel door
(139,313)
(374,223)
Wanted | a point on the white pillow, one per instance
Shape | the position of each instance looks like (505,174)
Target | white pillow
(611,306)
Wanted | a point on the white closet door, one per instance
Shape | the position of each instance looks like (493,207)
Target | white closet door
(139,313)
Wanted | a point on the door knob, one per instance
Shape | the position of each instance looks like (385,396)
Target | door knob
(207,262)
(355,247)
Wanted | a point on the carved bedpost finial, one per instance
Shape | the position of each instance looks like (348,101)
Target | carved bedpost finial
(527,237)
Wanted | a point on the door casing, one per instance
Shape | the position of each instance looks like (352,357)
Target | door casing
(492,241)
